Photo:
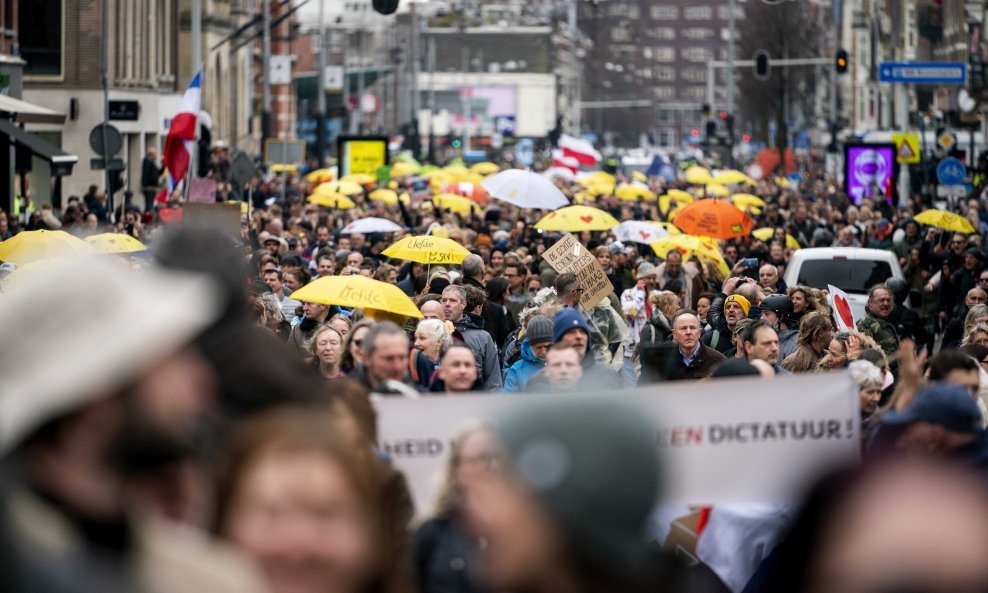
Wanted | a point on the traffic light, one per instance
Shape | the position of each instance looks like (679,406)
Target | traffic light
(711,129)
(745,138)
(457,143)
(840,61)
(695,133)
(763,67)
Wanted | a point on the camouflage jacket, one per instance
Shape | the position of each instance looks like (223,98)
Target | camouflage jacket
(880,330)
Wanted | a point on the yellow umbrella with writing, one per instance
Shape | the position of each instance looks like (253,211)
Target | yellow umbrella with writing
(941,219)
(115,243)
(705,249)
(357,291)
(574,219)
(427,250)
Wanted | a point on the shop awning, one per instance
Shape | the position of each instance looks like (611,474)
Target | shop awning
(61,161)
(23,112)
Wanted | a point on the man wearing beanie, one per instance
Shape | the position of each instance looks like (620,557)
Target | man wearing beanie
(534,343)
(570,327)
(570,511)
(738,301)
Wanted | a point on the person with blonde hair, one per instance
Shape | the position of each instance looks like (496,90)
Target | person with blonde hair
(325,351)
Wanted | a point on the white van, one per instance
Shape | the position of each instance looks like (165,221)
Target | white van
(852,269)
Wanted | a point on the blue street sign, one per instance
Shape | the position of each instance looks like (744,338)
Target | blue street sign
(923,72)
(951,171)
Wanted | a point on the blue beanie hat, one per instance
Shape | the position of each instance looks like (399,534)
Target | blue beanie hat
(567,319)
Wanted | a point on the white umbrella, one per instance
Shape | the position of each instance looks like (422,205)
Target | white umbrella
(525,190)
(371,224)
(562,172)
(639,231)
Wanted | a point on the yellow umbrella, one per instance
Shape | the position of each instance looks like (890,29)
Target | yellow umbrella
(938,218)
(457,172)
(717,190)
(704,248)
(680,197)
(386,196)
(731,177)
(326,200)
(766,233)
(581,197)
(669,227)
(743,201)
(577,218)
(115,243)
(639,176)
(320,175)
(631,192)
(359,292)
(347,188)
(281,168)
(31,246)
(697,176)
(402,168)
(359,178)
(485,169)
(600,189)
(458,204)
(427,249)
(599,178)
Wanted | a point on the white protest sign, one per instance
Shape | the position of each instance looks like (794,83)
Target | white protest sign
(723,441)
(843,315)
(569,255)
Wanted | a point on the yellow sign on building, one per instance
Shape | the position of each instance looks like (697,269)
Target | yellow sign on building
(362,155)
(906,148)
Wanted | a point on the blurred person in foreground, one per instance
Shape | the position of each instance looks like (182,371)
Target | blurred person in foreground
(296,498)
(100,405)
(445,557)
(905,525)
(567,506)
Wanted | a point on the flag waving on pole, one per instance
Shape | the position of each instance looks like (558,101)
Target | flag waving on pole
(580,149)
(181,135)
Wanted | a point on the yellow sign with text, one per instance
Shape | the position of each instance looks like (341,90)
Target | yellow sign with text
(906,148)
(363,156)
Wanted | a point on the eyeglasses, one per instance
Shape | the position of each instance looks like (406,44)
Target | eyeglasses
(982,279)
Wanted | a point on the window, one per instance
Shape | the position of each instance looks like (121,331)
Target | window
(724,12)
(624,9)
(696,33)
(620,34)
(850,275)
(696,54)
(693,74)
(664,33)
(664,54)
(695,92)
(41,36)
(666,116)
(666,138)
(698,13)
(665,73)
(664,12)
(665,92)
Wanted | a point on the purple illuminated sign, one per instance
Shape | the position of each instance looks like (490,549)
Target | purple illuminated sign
(869,171)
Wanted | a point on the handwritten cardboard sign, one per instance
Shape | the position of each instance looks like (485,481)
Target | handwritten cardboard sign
(569,255)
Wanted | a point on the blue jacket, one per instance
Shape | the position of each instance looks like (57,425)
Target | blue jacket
(520,372)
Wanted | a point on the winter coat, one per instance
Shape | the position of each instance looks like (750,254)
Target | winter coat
(445,558)
(701,366)
(470,329)
(596,377)
(803,360)
(787,342)
(520,372)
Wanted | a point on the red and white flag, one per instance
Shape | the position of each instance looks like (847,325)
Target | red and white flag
(582,150)
(181,136)
(567,162)
(842,309)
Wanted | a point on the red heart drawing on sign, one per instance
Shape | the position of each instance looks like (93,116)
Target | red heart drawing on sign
(587,219)
(843,311)
(645,234)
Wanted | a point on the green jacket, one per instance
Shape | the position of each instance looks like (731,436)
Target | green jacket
(881,331)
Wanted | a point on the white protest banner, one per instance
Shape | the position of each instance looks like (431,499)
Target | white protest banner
(569,255)
(843,315)
(723,441)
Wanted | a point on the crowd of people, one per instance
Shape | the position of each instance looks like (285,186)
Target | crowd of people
(180,421)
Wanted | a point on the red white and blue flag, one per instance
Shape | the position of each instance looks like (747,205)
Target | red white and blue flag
(181,136)
(579,149)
